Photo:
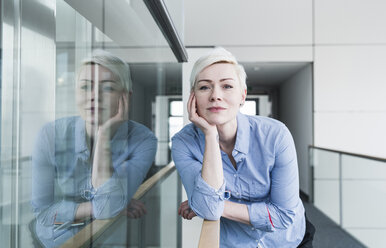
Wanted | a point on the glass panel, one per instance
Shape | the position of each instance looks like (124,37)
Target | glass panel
(79,87)
(363,199)
(158,227)
(326,164)
(326,183)
(356,198)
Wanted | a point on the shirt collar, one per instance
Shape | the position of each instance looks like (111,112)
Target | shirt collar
(80,136)
(243,134)
(119,140)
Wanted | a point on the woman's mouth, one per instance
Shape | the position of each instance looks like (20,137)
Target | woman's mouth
(93,109)
(216,109)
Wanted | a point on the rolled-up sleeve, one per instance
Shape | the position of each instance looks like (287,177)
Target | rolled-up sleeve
(206,201)
(280,211)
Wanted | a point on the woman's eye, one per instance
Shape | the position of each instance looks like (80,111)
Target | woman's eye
(85,87)
(227,86)
(203,87)
(108,88)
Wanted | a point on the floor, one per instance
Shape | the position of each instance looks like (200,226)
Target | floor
(328,234)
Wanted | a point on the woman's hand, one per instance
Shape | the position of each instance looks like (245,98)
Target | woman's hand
(185,211)
(122,115)
(197,120)
(102,162)
(135,209)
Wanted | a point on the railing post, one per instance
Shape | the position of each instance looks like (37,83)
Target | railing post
(311,173)
(340,192)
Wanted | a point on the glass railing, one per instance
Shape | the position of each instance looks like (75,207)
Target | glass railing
(159,227)
(65,69)
(351,190)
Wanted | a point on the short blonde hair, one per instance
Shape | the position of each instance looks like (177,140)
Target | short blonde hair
(216,56)
(113,63)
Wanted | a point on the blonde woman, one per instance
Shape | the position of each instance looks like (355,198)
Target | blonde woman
(237,168)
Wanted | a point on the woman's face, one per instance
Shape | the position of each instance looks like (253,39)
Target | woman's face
(97,94)
(218,93)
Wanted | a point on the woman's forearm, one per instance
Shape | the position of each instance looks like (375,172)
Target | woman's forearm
(102,163)
(84,211)
(212,170)
(237,212)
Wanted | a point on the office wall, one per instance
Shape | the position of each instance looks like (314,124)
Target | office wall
(295,110)
(255,30)
(350,89)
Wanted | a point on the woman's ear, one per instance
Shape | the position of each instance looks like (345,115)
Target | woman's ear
(243,97)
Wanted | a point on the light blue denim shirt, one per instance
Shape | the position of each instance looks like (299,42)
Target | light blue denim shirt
(62,174)
(266,180)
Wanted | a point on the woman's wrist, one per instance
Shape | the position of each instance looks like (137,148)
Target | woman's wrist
(211,133)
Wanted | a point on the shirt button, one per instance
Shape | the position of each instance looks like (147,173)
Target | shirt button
(257,241)
(239,200)
(235,175)
(252,228)
(237,193)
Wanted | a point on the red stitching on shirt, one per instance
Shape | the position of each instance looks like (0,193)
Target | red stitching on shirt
(269,215)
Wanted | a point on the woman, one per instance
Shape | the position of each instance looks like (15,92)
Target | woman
(89,166)
(238,167)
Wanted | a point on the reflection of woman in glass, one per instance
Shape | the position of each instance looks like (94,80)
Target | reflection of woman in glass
(238,167)
(90,166)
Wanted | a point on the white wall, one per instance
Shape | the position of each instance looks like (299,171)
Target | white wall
(350,89)
(254,30)
(248,23)
(295,110)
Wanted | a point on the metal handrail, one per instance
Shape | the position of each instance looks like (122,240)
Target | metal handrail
(161,16)
(349,153)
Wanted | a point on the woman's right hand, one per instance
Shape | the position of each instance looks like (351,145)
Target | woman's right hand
(185,211)
(196,119)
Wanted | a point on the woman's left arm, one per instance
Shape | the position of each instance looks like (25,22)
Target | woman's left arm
(280,211)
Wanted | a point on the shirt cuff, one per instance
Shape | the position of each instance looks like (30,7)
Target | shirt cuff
(206,201)
(204,188)
(259,216)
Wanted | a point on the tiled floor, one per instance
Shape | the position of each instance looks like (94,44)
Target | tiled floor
(328,234)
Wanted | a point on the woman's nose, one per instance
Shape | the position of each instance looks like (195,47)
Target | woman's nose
(95,95)
(215,94)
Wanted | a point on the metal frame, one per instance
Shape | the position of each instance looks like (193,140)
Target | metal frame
(161,16)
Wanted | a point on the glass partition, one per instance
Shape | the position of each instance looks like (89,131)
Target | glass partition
(81,127)
(157,228)
(351,190)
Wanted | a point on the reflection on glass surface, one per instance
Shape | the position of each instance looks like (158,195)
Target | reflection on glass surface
(75,136)
(158,228)
(89,166)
